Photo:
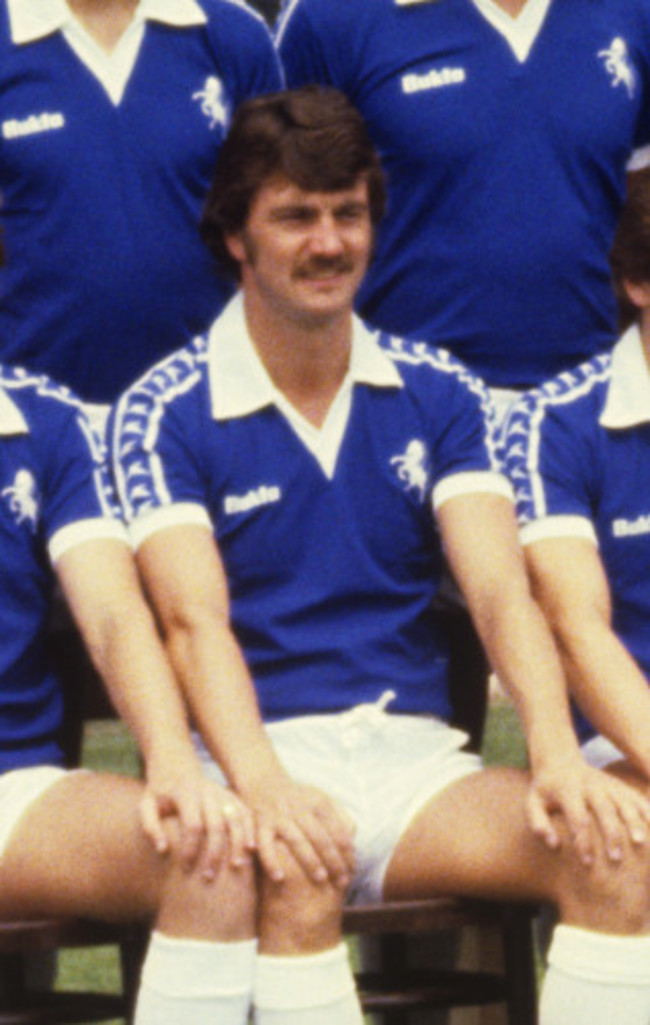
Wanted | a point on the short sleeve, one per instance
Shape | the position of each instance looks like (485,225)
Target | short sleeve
(550,460)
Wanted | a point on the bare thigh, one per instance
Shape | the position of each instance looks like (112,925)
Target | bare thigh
(80,850)
(473,839)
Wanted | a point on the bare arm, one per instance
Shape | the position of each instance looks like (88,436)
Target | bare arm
(184,575)
(570,583)
(101,585)
(480,538)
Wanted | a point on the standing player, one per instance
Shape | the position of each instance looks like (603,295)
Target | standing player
(506,128)
(112,113)
(292,479)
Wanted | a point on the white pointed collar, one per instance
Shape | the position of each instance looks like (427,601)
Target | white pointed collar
(33,19)
(12,420)
(240,383)
(628,395)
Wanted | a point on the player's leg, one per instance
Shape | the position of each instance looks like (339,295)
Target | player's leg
(473,839)
(78,849)
(303,975)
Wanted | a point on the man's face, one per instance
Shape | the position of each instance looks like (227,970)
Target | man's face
(303,254)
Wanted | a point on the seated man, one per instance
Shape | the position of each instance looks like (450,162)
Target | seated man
(81,843)
(578,456)
(291,480)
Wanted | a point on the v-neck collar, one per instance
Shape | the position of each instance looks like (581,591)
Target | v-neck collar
(520,32)
(32,20)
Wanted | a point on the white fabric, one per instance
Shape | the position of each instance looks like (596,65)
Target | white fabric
(382,769)
(30,20)
(195,982)
(240,383)
(12,420)
(599,752)
(596,979)
(628,395)
(18,791)
(313,989)
(521,31)
(98,529)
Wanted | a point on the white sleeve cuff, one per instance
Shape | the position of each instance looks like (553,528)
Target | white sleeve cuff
(556,527)
(640,158)
(471,483)
(181,514)
(84,530)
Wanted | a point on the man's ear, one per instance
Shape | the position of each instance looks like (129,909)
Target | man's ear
(235,246)
(638,292)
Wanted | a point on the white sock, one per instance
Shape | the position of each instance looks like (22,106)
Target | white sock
(196,982)
(596,979)
(309,989)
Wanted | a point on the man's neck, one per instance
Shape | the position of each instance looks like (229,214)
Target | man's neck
(104,20)
(511,7)
(306,362)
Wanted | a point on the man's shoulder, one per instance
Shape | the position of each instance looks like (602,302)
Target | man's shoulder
(423,365)
(37,397)
(575,398)
(167,381)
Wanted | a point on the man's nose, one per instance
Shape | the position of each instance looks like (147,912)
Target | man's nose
(326,237)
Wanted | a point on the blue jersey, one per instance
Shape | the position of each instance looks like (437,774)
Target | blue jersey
(506,170)
(332,572)
(101,201)
(55,493)
(578,457)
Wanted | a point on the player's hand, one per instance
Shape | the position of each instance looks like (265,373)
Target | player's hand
(212,822)
(597,809)
(309,824)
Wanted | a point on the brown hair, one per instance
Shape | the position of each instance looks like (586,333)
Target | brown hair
(630,257)
(312,136)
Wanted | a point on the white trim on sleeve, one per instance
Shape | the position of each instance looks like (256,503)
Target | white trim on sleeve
(179,514)
(97,529)
(558,526)
(639,159)
(472,482)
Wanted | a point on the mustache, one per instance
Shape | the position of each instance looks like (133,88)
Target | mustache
(325,264)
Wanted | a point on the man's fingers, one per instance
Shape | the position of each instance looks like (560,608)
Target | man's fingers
(152,824)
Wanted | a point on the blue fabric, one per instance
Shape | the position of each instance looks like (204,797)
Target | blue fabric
(331,580)
(563,462)
(505,178)
(51,477)
(105,268)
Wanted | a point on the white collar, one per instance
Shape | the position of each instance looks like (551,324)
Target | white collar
(628,395)
(33,19)
(520,32)
(239,381)
(12,420)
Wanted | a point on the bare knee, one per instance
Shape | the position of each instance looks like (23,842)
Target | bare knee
(608,896)
(220,908)
(298,915)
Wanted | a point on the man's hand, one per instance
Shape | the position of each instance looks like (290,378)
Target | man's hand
(213,823)
(315,830)
(597,808)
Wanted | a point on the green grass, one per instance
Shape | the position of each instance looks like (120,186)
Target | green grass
(109,748)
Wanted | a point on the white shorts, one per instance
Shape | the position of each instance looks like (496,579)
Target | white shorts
(381,768)
(600,752)
(18,791)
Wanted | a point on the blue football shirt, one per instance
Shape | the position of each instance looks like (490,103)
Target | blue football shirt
(101,200)
(578,456)
(332,563)
(55,493)
(506,155)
